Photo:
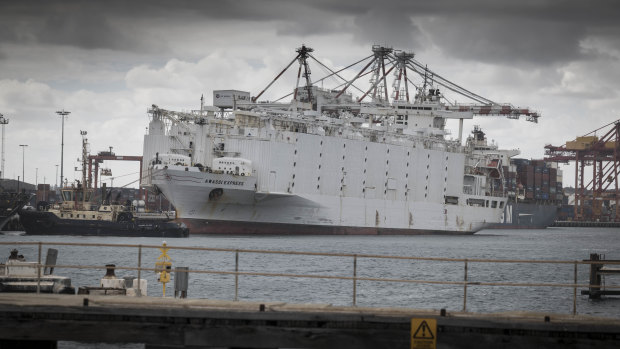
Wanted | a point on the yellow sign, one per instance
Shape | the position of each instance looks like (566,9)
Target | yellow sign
(423,334)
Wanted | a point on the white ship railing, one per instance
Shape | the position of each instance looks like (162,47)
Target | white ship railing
(466,283)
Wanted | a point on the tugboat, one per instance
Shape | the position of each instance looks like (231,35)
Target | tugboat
(78,214)
(10,203)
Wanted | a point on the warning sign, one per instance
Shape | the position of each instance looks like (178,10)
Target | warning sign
(423,333)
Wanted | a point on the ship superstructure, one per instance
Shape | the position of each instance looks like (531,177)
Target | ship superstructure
(330,163)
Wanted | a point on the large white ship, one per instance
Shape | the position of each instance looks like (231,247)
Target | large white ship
(330,163)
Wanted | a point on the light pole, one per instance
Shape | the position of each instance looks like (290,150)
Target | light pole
(23,162)
(63,114)
(3,122)
(56,176)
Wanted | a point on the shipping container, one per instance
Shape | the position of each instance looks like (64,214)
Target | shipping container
(520,162)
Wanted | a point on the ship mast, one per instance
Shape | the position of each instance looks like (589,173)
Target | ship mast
(85,186)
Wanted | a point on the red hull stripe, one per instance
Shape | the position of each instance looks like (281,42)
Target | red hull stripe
(215,227)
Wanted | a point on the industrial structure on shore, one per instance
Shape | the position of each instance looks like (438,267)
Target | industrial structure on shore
(597,199)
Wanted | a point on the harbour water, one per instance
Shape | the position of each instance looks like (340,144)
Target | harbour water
(566,244)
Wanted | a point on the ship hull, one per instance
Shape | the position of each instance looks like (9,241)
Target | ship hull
(46,223)
(239,209)
(522,215)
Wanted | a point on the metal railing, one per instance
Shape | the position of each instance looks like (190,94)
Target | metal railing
(354,277)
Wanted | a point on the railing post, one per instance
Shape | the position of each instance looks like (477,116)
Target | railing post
(575,291)
(139,268)
(354,280)
(39,270)
(236,275)
(465,288)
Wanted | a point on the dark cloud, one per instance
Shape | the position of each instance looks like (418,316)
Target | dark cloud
(496,39)
(528,31)
(381,26)
(83,25)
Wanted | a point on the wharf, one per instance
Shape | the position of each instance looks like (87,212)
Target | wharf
(43,319)
(586,224)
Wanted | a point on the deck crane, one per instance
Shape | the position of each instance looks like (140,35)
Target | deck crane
(385,60)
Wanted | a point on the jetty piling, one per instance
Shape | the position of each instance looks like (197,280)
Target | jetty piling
(597,270)
(50,261)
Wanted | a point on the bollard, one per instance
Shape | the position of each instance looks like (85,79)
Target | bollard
(109,271)
(181,278)
(129,281)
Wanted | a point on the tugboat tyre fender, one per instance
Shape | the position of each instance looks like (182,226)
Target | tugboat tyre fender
(98,218)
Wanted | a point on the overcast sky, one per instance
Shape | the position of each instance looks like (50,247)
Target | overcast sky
(107,61)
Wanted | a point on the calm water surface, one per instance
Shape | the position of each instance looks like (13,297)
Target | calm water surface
(567,244)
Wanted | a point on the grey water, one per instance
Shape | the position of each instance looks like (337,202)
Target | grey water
(551,244)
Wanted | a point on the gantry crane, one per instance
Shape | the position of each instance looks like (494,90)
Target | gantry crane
(603,154)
